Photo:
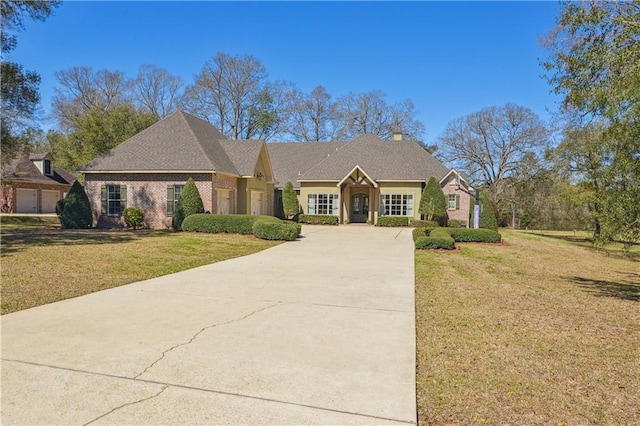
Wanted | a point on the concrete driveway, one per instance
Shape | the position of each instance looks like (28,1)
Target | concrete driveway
(316,331)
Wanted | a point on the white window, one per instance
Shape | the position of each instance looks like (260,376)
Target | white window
(396,205)
(322,204)
(453,202)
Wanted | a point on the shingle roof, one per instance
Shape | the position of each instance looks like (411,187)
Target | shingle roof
(178,142)
(332,161)
(291,159)
(244,154)
(22,168)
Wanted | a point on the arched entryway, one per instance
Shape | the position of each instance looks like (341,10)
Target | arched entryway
(359,210)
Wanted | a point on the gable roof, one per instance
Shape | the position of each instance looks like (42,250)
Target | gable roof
(382,160)
(178,142)
(291,159)
(21,168)
(244,154)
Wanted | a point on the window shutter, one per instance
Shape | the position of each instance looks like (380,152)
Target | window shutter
(170,200)
(103,199)
(123,198)
(457,202)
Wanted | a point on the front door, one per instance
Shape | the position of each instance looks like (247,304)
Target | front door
(359,208)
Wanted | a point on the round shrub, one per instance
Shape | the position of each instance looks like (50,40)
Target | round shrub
(133,217)
(435,243)
(269,230)
(60,207)
(76,213)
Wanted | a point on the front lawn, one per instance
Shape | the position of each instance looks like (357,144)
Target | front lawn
(537,330)
(44,264)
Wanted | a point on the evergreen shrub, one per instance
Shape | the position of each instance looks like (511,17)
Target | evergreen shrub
(271,230)
(189,203)
(76,213)
(475,235)
(223,223)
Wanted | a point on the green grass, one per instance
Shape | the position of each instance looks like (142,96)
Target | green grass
(536,330)
(44,264)
(29,221)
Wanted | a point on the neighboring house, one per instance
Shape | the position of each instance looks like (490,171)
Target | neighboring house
(31,184)
(358,180)
(150,169)
(365,178)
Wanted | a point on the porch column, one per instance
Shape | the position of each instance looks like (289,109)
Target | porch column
(341,204)
(372,204)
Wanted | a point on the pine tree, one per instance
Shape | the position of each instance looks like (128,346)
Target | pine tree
(189,203)
(433,203)
(76,209)
(290,201)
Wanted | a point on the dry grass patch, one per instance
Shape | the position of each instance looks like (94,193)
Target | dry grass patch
(536,331)
(45,264)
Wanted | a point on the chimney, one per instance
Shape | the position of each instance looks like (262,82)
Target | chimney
(397,135)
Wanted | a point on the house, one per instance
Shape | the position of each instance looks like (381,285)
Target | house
(150,169)
(31,184)
(365,178)
(357,181)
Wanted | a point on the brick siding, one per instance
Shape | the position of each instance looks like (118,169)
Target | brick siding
(149,192)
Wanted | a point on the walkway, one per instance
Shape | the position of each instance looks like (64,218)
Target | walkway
(317,331)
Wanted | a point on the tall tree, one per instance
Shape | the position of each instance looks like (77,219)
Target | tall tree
(289,201)
(313,117)
(491,145)
(82,89)
(19,88)
(157,91)
(369,112)
(595,64)
(95,132)
(232,93)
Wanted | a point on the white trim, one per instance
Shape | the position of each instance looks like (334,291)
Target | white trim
(458,174)
(357,167)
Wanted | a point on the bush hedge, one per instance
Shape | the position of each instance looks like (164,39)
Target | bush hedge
(270,230)
(318,219)
(455,223)
(438,238)
(133,217)
(474,235)
(421,232)
(219,223)
(393,221)
(424,223)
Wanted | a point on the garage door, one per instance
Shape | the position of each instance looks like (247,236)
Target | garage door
(224,201)
(27,201)
(49,200)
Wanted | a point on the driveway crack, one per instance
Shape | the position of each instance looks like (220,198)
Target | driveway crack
(164,353)
(126,405)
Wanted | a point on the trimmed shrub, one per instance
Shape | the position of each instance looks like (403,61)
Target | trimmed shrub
(133,217)
(189,203)
(420,232)
(318,219)
(270,230)
(487,215)
(219,223)
(474,235)
(289,201)
(76,213)
(424,223)
(433,203)
(435,243)
(455,223)
(393,221)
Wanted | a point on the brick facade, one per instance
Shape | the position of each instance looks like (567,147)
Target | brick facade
(462,213)
(149,192)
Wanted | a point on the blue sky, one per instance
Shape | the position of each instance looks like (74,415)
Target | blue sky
(449,58)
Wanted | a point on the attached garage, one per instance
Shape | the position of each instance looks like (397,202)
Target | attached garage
(27,200)
(49,200)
